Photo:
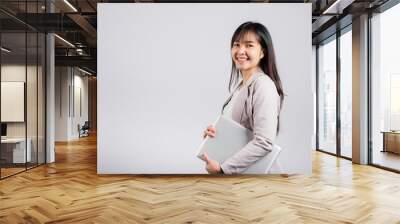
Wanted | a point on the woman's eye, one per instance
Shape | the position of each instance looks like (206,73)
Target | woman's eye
(249,45)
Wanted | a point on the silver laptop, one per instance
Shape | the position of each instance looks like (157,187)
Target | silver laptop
(230,138)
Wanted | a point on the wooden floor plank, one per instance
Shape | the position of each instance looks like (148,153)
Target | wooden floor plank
(70,191)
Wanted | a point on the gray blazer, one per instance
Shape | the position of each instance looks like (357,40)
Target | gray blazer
(257,108)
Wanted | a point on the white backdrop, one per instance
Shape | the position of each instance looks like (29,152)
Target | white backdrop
(163,73)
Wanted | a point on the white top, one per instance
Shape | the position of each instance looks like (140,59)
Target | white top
(229,107)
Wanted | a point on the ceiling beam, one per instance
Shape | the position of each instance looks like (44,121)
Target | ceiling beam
(84,61)
(86,26)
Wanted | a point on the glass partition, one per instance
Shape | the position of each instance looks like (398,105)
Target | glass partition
(385,89)
(13,109)
(327,96)
(346,94)
(22,63)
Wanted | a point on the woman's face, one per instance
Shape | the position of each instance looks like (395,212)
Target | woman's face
(247,52)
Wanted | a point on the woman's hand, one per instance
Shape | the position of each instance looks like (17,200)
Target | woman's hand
(210,131)
(212,166)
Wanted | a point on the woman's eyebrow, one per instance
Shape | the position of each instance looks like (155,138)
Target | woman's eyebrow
(246,41)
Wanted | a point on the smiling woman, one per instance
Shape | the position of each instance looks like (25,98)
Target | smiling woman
(256,101)
(169,78)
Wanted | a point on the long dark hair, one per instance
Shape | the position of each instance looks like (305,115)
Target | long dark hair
(267,63)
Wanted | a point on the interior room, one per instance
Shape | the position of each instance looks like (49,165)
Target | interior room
(78,146)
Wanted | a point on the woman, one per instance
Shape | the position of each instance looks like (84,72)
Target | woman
(256,101)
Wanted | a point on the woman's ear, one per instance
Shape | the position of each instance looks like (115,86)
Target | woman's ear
(262,54)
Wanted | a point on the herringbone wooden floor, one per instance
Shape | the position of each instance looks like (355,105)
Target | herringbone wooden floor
(70,191)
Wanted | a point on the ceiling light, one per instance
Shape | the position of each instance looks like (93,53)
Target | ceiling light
(5,50)
(70,5)
(84,71)
(65,41)
(338,6)
(329,9)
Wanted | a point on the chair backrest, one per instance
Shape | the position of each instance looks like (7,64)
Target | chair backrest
(86,125)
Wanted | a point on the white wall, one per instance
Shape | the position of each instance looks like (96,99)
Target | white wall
(15,73)
(79,117)
(68,81)
(163,72)
(61,103)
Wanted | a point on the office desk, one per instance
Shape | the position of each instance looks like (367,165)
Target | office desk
(13,150)
(391,141)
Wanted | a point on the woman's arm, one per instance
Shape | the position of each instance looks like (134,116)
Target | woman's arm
(265,117)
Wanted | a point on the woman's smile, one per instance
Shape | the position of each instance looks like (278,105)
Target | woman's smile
(242,58)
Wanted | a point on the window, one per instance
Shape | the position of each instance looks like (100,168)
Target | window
(385,88)
(327,96)
(346,75)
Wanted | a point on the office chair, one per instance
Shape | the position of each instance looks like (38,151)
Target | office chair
(84,130)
